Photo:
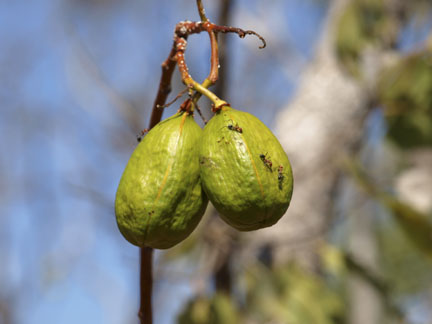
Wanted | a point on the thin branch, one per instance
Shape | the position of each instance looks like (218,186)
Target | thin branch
(145,313)
(180,45)
(179,95)
(214,61)
(187,79)
(200,113)
(213,74)
(201,10)
(185,28)
(182,31)
(242,33)
(168,67)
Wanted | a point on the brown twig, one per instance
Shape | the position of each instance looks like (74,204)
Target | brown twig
(201,10)
(181,44)
(182,31)
(242,33)
(214,61)
(185,28)
(200,113)
(145,313)
(168,67)
(179,95)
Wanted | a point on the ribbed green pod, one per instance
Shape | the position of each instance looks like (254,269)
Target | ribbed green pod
(244,170)
(159,201)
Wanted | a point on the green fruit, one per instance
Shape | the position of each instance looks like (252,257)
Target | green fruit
(159,201)
(244,170)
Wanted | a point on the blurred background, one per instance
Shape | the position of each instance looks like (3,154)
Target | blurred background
(346,85)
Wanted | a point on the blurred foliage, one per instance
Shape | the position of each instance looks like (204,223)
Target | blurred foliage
(405,91)
(416,225)
(406,269)
(291,294)
(286,294)
(363,22)
(294,295)
(217,309)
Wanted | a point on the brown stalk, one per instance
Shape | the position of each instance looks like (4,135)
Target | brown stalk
(201,10)
(182,31)
(145,313)
(168,67)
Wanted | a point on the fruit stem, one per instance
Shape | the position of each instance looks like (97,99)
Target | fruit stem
(201,10)
(145,313)
(206,92)
(181,32)
(181,44)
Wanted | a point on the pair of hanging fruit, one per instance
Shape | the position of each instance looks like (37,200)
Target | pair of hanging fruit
(236,162)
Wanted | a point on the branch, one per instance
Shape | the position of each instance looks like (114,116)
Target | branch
(182,31)
(201,10)
(168,67)
(145,313)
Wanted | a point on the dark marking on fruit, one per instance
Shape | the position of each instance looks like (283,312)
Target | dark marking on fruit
(207,161)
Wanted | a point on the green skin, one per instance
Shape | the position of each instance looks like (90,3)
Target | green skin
(160,201)
(248,193)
